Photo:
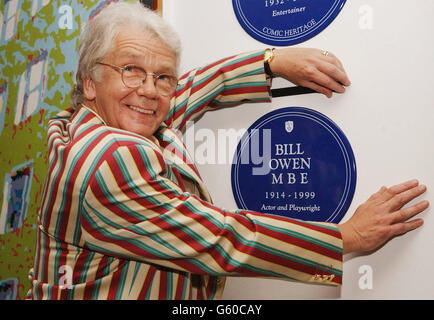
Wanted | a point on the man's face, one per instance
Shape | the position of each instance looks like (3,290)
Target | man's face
(140,110)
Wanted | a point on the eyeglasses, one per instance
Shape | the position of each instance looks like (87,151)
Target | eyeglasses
(133,77)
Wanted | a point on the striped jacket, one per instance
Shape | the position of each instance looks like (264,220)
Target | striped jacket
(117,220)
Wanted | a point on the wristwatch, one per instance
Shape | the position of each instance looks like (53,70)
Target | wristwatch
(268,57)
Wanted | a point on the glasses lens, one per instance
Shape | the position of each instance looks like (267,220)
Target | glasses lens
(134,77)
(165,84)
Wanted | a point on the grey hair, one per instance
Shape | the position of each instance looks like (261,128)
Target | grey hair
(98,37)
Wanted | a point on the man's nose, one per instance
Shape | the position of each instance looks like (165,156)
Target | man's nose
(147,88)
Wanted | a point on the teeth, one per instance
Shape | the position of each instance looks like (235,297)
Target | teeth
(141,110)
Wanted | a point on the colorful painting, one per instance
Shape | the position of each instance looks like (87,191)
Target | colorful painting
(15,198)
(38,59)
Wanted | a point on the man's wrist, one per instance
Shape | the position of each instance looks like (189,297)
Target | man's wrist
(349,245)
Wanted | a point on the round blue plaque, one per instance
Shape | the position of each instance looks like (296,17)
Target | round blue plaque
(295,162)
(285,22)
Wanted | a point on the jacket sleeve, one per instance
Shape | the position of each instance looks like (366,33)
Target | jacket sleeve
(132,209)
(227,82)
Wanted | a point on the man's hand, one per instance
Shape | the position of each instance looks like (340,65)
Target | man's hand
(383,216)
(310,68)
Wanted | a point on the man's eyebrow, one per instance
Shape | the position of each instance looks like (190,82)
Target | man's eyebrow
(162,68)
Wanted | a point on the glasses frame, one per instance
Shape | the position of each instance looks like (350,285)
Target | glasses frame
(154,76)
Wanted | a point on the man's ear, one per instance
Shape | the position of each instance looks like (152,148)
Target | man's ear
(89,89)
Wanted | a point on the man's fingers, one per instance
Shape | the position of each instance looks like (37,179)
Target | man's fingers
(333,60)
(408,213)
(404,186)
(383,216)
(385,194)
(314,86)
(401,199)
(404,227)
(335,73)
(328,82)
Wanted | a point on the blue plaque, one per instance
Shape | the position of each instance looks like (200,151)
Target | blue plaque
(285,22)
(295,162)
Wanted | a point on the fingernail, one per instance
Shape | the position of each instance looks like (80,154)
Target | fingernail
(422,187)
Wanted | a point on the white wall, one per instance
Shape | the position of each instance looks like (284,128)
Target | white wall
(387,115)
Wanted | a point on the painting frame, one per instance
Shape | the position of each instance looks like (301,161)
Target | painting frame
(153,4)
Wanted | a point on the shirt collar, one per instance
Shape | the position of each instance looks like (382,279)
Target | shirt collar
(94,113)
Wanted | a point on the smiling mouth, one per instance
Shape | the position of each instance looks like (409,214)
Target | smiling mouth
(141,110)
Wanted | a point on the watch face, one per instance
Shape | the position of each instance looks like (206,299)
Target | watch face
(268,55)
(285,22)
(295,162)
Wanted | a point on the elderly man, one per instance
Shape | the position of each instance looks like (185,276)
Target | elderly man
(125,214)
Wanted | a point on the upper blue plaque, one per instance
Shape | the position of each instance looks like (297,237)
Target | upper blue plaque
(295,162)
(285,22)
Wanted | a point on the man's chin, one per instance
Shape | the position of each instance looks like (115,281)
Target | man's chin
(143,127)
(147,133)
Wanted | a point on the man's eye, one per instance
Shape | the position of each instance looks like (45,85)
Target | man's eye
(130,68)
(134,70)
(164,77)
